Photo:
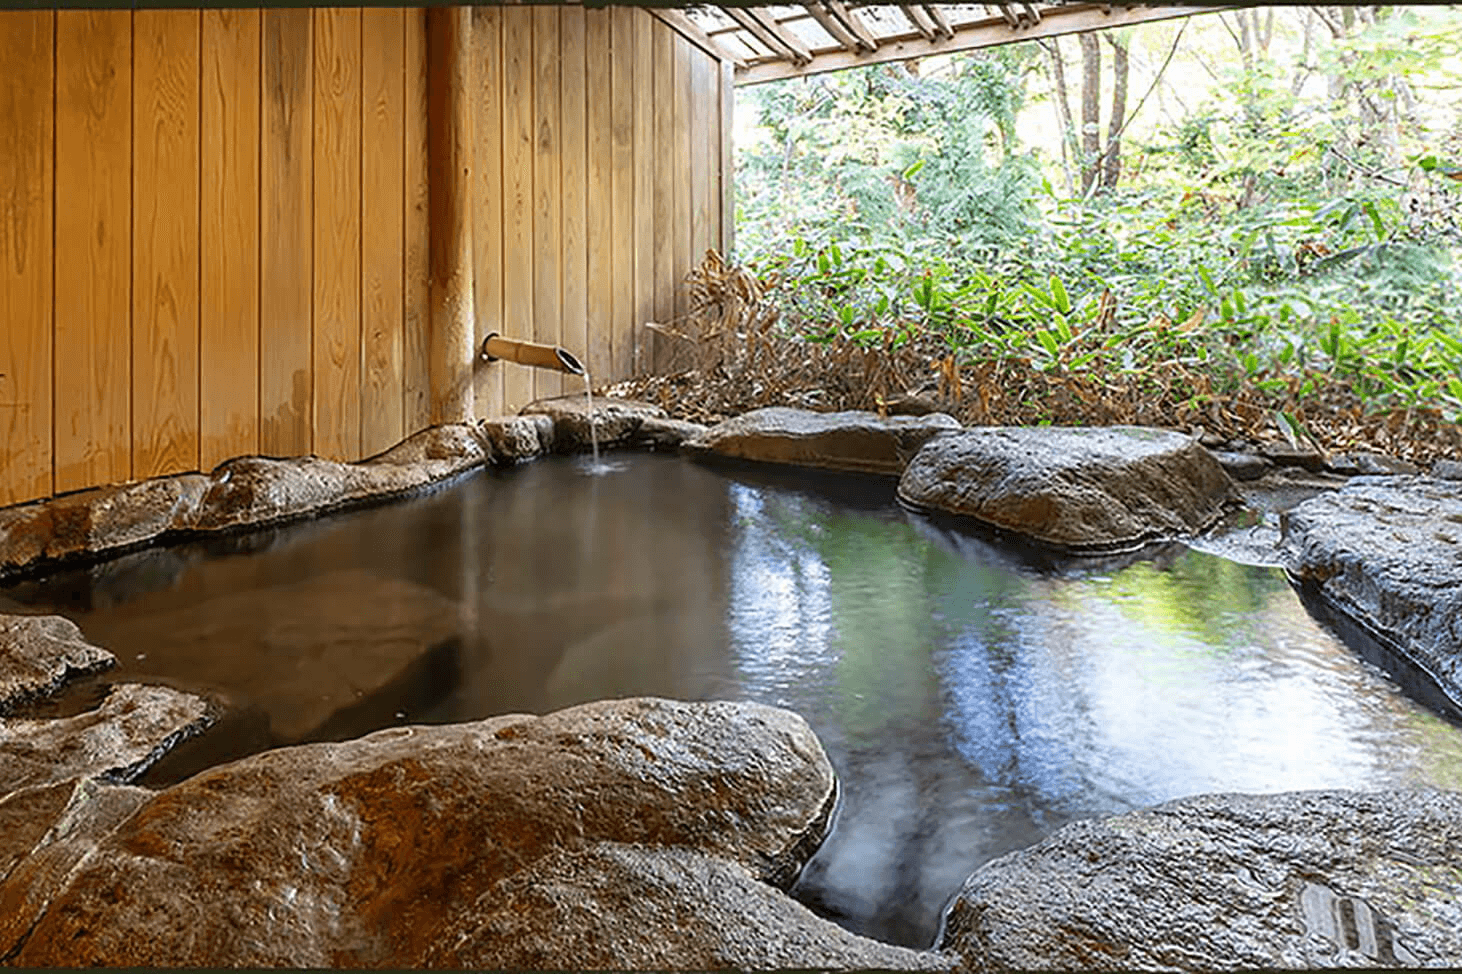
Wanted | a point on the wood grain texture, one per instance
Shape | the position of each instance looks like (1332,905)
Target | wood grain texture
(93,166)
(727,174)
(573,187)
(599,195)
(165,219)
(286,210)
(383,213)
(700,135)
(26,49)
(416,371)
(450,97)
(228,343)
(622,190)
(645,194)
(547,228)
(665,157)
(487,203)
(680,174)
(337,233)
(518,142)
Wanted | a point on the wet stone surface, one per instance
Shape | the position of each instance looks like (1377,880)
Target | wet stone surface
(1227,882)
(1073,489)
(39,653)
(1387,552)
(853,440)
(614,421)
(399,849)
(134,726)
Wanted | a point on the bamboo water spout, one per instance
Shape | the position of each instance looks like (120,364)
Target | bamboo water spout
(537,355)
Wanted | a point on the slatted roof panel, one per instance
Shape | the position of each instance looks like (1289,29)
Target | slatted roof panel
(784,40)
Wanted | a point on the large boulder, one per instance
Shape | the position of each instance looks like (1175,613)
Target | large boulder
(613,421)
(1387,552)
(133,727)
(1227,882)
(399,849)
(1097,489)
(853,440)
(40,653)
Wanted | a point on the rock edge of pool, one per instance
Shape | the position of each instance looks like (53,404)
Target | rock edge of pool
(646,833)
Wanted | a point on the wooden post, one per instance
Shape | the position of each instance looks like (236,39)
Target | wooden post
(449,168)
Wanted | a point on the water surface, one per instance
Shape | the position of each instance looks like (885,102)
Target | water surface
(970,703)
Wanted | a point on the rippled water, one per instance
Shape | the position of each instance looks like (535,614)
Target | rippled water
(970,703)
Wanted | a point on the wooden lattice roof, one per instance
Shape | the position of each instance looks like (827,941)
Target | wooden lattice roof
(779,41)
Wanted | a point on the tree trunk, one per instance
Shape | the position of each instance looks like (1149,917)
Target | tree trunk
(1112,163)
(1063,109)
(1091,129)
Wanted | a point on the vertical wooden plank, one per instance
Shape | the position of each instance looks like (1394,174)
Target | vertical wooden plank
(622,178)
(26,160)
(228,359)
(518,142)
(286,246)
(727,174)
(599,199)
(680,169)
(645,194)
(701,135)
(416,378)
(451,96)
(337,343)
(165,116)
(93,308)
(487,231)
(665,158)
(383,211)
(573,182)
(547,229)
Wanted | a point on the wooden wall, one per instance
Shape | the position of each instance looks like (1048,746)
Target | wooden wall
(601,164)
(213,236)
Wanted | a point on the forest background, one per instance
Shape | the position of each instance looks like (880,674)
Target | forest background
(1242,223)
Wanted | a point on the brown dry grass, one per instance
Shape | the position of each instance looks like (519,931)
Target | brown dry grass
(730,353)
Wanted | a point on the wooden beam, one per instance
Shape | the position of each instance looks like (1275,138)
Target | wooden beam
(941,25)
(830,24)
(772,34)
(449,165)
(850,20)
(985,33)
(920,21)
(692,32)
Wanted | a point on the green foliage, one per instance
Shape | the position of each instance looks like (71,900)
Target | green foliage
(1265,244)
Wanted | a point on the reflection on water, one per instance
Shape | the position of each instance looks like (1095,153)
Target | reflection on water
(970,705)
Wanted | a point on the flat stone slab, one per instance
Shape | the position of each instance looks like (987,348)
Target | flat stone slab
(614,421)
(1227,882)
(134,726)
(1096,489)
(304,652)
(1387,552)
(40,653)
(853,440)
(407,847)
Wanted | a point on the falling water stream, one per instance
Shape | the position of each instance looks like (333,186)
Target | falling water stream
(971,702)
